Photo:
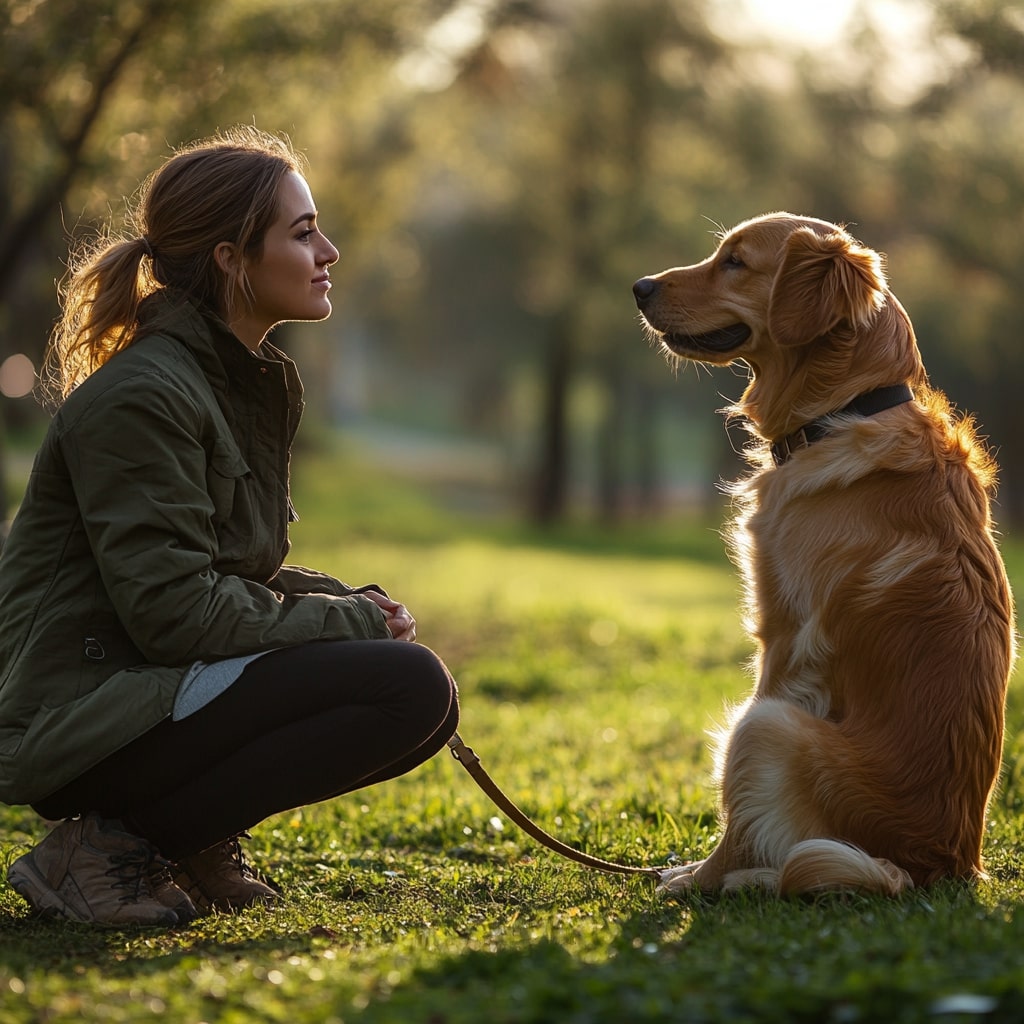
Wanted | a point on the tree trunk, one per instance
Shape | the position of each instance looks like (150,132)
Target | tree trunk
(648,483)
(551,486)
(610,436)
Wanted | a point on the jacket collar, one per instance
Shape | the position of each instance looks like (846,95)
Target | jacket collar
(222,357)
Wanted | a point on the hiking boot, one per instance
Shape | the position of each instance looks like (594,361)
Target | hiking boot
(89,870)
(164,890)
(220,878)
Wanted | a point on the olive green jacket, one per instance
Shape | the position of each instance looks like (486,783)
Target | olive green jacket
(152,534)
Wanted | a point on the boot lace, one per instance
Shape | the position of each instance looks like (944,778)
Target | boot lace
(233,848)
(131,871)
(161,872)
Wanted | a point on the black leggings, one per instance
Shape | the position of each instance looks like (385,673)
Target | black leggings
(298,726)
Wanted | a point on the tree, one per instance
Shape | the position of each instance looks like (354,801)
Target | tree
(49,115)
(963,176)
(616,77)
(91,104)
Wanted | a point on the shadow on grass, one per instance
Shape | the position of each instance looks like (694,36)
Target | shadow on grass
(743,958)
(941,955)
(62,946)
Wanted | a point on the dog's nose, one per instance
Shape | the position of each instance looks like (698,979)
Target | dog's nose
(644,289)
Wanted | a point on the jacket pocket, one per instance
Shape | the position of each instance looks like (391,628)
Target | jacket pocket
(224,474)
(244,545)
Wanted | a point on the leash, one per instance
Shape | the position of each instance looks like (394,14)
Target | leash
(467,757)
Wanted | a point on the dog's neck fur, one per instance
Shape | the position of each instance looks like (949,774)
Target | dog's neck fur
(867,404)
(806,384)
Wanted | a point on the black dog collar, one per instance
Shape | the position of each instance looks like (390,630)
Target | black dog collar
(868,404)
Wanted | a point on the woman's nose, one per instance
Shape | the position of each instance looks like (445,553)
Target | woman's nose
(330,254)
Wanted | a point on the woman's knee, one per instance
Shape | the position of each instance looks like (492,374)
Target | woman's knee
(430,690)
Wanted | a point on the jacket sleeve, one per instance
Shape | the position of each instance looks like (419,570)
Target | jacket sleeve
(139,470)
(297,579)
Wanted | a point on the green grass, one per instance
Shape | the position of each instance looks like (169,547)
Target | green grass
(591,668)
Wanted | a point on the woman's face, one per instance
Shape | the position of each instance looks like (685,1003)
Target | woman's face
(289,281)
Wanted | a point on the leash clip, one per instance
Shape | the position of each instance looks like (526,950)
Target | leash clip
(466,756)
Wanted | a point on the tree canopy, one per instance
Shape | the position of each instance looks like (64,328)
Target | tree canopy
(496,174)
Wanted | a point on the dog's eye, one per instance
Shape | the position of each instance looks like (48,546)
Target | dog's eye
(733,260)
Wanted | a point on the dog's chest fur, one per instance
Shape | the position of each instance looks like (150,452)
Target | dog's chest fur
(807,538)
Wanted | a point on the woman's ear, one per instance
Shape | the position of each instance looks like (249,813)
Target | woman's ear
(823,280)
(226,256)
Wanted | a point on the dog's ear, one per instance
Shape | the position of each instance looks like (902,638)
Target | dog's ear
(823,280)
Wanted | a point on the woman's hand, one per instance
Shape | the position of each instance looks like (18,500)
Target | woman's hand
(400,622)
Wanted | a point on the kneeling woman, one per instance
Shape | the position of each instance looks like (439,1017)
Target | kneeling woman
(166,682)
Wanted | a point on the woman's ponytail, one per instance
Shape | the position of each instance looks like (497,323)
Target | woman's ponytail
(100,306)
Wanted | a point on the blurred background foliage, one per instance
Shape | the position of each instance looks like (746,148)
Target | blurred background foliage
(497,173)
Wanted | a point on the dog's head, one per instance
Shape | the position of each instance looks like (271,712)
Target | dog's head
(801,302)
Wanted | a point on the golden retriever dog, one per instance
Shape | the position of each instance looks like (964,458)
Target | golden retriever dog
(883,622)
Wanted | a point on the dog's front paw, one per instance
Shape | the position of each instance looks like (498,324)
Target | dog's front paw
(678,879)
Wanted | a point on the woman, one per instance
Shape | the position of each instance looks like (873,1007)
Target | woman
(165,681)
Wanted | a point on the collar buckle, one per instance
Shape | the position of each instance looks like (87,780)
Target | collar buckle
(785,447)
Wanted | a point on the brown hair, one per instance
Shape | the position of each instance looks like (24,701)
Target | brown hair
(220,189)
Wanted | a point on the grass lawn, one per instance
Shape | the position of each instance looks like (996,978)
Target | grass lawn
(591,670)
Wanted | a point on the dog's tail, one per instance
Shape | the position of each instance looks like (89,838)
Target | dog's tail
(823,865)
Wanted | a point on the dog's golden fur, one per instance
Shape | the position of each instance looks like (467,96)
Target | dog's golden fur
(867,753)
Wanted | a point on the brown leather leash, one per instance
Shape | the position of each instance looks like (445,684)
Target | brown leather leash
(467,757)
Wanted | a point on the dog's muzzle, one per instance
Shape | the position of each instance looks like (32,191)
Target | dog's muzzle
(724,339)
